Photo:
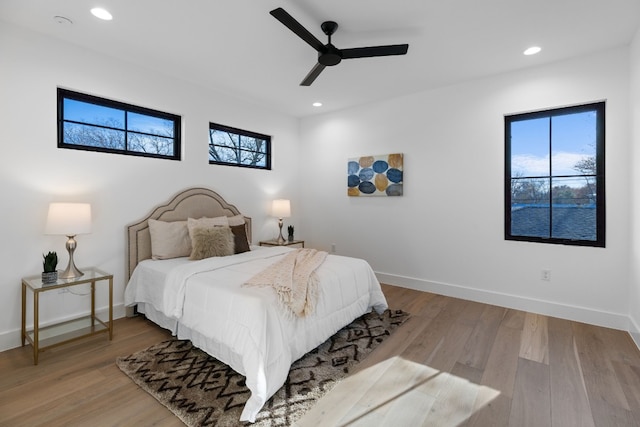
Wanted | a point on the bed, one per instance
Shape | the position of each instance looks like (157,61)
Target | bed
(207,301)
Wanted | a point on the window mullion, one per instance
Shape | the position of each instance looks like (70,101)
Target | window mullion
(126,131)
(550,192)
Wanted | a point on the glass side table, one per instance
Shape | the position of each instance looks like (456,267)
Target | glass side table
(42,338)
(274,242)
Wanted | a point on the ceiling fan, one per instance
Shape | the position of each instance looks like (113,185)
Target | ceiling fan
(328,54)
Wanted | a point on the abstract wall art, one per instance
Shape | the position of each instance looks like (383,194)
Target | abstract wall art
(380,175)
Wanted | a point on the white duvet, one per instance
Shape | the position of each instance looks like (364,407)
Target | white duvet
(245,327)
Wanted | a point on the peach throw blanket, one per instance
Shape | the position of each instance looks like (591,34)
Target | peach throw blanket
(294,279)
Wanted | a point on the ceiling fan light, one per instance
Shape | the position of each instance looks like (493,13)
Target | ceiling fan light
(532,50)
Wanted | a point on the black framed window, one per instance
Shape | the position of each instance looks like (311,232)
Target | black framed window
(237,147)
(87,122)
(554,176)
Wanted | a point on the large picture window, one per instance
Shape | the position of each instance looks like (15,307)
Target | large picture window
(554,176)
(237,147)
(87,122)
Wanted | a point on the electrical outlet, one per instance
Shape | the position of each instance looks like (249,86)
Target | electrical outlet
(545,275)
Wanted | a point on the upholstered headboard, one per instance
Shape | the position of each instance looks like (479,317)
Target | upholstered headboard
(190,203)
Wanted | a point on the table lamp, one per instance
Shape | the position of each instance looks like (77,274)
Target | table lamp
(69,219)
(281,208)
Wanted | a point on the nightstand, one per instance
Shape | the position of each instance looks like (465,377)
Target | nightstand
(42,338)
(286,243)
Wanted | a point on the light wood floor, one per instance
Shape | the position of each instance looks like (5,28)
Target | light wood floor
(454,363)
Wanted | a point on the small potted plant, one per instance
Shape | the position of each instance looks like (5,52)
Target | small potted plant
(290,230)
(49,272)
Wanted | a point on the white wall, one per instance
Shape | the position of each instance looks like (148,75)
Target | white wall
(446,234)
(634,195)
(121,189)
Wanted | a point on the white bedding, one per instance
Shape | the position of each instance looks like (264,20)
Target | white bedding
(245,327)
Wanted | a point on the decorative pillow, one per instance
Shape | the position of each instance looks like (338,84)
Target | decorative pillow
(236,220)
(169,239)
(240,238)
(204,222)
(212,241)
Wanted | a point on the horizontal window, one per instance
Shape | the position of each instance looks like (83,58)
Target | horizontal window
(237,147)
(87,122)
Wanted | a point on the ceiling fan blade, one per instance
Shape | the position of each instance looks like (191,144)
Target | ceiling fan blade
(313,74)
(367,52)
(281,15)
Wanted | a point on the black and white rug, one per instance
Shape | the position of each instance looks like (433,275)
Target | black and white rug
(203,391)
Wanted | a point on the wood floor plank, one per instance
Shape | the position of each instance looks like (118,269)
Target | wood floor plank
(413,328)
(494,413)
(629,378)
(450,347)
(478,346)
(569,400)
(340,401)
(502,364)
(454,362)
(603,388)
(514,319)
(499,375)
(535,340)
(434,306)
(455,400)
(402,378)
(423,347)
(531,405)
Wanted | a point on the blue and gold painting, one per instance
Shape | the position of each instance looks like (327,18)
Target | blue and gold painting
(375,175)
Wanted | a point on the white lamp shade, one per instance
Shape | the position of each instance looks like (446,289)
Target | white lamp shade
(281,208)
(68,219)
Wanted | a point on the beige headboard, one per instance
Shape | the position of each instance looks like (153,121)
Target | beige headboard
(190,203)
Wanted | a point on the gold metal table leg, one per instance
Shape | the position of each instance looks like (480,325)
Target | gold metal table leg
(110,308)
(36,338)
(93,303)
(24,313)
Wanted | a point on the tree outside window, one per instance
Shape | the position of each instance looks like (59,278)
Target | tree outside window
(237,147)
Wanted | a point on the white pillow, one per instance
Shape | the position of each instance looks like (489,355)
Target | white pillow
(169,239)
(219,221)
(236,220)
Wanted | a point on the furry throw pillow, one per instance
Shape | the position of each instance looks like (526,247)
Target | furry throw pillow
(208,242)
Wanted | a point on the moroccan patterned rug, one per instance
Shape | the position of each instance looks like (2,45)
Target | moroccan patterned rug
(202,391)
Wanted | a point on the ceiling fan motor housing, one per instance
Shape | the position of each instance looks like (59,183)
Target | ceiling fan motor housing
(330,56)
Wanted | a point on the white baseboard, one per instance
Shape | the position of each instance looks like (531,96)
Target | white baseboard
(634,331)
(547,308)
(12,339)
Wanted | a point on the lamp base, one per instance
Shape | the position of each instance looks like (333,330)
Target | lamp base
(71,272)
(280,239)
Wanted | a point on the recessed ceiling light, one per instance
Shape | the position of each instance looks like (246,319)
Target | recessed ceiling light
(101,13)
(532,50)
(317,104)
